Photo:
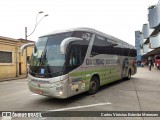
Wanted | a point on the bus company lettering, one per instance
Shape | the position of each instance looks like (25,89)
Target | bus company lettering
(86,36)
(101,38)
(95,62)
(101,61)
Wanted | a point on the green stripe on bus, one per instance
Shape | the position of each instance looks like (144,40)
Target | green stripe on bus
(106,75)
(92,71)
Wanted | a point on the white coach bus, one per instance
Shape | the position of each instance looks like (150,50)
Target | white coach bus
(70,62)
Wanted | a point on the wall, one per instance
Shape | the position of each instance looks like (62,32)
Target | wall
(10,70)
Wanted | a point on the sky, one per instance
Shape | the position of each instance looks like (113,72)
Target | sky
(119,18)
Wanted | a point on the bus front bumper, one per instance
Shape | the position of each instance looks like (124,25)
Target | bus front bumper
(56,89)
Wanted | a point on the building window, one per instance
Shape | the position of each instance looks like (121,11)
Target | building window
(5,57)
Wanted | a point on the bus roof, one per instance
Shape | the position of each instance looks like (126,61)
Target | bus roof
(92,31)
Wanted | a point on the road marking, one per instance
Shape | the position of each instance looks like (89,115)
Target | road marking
(79,107)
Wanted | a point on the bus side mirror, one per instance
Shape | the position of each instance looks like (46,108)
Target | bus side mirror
(25,46)
(65,42)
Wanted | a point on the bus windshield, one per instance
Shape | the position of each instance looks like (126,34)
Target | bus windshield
(46,59)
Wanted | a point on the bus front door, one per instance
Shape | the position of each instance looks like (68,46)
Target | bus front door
(77,74)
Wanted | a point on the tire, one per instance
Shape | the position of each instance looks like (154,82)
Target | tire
(129,75)
(94,86)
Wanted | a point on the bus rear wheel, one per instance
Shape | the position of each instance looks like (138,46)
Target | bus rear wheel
(129,75)
(94,86)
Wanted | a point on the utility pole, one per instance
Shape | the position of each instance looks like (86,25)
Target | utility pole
(26,52)
(26,36)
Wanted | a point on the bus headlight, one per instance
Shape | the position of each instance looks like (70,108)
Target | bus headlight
(60,93)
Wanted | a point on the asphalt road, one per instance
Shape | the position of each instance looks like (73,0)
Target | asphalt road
(141,93)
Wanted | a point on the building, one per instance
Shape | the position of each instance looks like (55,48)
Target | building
(12,64)
(149,41)
(137,45)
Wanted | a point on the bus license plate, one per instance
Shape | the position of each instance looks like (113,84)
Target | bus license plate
(39,92)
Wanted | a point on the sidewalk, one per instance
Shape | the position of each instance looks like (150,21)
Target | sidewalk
(15,78)
(152,69)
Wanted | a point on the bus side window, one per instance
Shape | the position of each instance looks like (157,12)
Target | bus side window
(133,53)
(103,45)
(99,46)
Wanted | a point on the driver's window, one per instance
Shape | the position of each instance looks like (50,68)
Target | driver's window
(72,60)
(75,56)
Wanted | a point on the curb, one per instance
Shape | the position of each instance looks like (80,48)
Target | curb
(9,79)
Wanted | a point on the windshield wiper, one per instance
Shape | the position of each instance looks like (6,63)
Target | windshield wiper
(43,56)
(43,59)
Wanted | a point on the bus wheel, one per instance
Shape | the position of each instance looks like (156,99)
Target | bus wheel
(94,85)
(129,75)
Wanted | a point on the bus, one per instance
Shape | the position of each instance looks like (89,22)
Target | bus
(67,63)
